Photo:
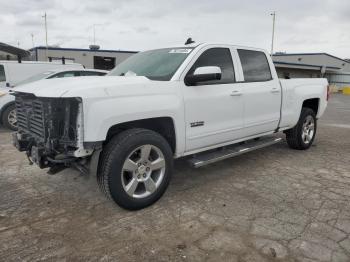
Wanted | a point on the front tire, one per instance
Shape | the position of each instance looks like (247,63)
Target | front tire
(303,134)
(9,118)
(135,168)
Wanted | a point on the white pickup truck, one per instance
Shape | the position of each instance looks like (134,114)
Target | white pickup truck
(207,101)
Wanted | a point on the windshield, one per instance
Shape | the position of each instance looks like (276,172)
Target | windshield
(159,64)
(34,78)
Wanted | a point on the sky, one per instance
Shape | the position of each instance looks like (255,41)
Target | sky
(301,25)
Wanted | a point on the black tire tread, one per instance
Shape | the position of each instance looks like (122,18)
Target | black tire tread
(116,144)
(293,135)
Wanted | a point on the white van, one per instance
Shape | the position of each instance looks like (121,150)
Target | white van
(7,102)
(12,72)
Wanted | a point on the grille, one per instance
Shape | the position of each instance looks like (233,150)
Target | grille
(30,117)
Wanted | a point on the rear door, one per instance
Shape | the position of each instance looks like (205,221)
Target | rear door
(212,114)
(261,91)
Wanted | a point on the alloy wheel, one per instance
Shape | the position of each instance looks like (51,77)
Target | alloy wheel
(12,118)
(308,129)
(143,171)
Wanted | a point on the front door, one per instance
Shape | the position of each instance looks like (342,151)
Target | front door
(213,109)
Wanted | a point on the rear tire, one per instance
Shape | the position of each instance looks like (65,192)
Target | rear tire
(303,134)
(8,118)
(135,168)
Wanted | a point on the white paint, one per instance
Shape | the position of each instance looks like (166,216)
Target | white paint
(231,112)
(207,70)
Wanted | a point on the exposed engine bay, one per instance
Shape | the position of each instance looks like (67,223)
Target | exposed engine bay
(50,131)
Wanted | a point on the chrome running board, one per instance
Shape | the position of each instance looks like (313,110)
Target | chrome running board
(206,158)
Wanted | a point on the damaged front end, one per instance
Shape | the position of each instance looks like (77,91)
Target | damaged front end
(50,131)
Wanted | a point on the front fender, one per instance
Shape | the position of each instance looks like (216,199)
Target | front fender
(101,114)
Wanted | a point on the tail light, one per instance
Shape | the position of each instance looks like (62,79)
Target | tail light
(328,92)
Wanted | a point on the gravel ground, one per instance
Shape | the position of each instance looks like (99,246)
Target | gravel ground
(275,204)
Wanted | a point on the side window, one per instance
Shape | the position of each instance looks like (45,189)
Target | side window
(91,73)
(220,57)
(2,74)
(255,66)
(65,74)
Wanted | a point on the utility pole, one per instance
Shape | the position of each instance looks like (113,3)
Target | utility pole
(47,46)
(32,35)
(273,30)
(94,29)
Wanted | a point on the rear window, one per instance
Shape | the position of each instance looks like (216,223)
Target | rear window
(36,77)
(91,73)
(65,74)
(2,74)
(255,66)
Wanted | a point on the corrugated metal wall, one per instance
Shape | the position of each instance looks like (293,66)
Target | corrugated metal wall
(339,79)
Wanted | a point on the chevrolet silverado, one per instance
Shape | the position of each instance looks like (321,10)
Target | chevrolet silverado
(206,102)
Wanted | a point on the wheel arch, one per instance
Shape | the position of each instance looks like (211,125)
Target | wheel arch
(312,103)
(165,126)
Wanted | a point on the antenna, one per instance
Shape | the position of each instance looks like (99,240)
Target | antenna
(189,41)
(94,32)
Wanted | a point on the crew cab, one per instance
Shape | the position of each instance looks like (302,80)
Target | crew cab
(206,102)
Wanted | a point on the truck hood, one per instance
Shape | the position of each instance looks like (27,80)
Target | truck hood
(80,86)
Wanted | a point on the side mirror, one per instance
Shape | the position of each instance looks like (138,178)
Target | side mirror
(203,74)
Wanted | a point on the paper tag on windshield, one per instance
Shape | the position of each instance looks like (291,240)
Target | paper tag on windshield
(180,51)
(130,73)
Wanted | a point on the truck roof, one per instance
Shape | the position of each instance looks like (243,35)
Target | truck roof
(194,45)
(35,62)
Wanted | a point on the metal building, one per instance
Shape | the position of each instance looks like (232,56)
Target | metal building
(90,58)
(309,65)
(9,52)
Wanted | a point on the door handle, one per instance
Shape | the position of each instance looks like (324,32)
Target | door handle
(275,90)
(236,93)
